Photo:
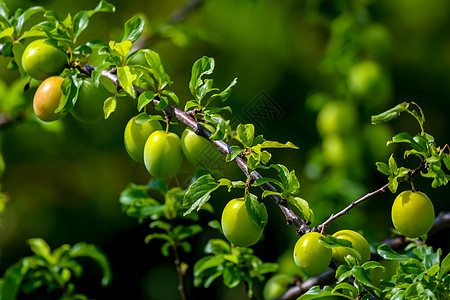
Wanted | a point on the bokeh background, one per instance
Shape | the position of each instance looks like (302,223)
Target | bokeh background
(291,58)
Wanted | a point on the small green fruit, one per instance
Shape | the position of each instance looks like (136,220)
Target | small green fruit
(41,59)
(310,255)
(89,105)
(277,285)
(162,154)
(237,225)
(412,214)
(135,136)
(359,243)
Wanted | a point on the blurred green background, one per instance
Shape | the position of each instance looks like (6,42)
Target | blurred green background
(291,58)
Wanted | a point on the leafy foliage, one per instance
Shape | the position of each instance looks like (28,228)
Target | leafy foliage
(233,264)
(52,269)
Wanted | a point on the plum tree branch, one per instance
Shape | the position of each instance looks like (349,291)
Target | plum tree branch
(188,119)
(441,222)
(352,205)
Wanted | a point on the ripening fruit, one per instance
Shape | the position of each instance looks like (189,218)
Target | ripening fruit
(89,105)
(162,154)
(47,98)
(359,243)
(310,255)
(135,136)
(237,225)
(277,285)
(412,214)
(336,117)
(376,275)
(199,151)
(41,59)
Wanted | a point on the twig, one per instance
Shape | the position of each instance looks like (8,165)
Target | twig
(188,119)
(441,222)
(180,272)
(353,204)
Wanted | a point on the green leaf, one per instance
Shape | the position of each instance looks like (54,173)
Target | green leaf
(199,192)
(203,66)
(445,266)
(217,246)
(231,276)
(157,69)
(41,248)
(390,114)
(69,87)
(405,137)
(93,252)
(109,106)
(133,29)
(274,144)
(8,32)
(386,252)
(13,277)
(256,210)
(126,79)
(25,15)
(80,23)
(361,276)
(245,133)
(303,206)
(171,95)
(103,6)
(144,99)
(225,94)
(383,168)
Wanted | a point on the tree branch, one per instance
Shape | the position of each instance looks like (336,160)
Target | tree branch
(352,205)
(188,119)
(441,222)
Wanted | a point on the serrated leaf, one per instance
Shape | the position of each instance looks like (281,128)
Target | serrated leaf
(109,106)
(199,192)
(256,210)
(390,114)
(133,29)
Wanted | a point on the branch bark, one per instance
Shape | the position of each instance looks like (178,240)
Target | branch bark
(188,119)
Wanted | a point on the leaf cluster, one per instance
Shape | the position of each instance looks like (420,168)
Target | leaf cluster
(233,264)
(423,146)
(52,269)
